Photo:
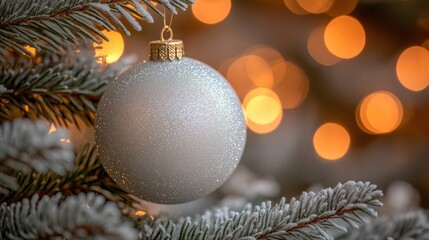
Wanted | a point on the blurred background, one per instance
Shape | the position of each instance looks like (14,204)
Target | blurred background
(333,90)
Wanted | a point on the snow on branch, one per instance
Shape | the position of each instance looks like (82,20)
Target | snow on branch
(59,89)
(87,176)
(85,216)
(411,225)
(312,216)
(49,24)
(27,145)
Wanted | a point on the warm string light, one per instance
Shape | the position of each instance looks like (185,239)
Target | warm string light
(259,71)
(263,110)
(316,46)
(211,11)
(141,213)
(293,86)
(331,141)
(379,113)
(31,49)
(412,68)
(110,51)
(345,37)
(267,84)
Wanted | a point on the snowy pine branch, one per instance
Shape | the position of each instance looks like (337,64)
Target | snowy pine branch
(85,216)
(26,145)
(412,225)
(88,176)
(49,24)
(313,216)
(59,89)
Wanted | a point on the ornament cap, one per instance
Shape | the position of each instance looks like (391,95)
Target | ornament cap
(170,49)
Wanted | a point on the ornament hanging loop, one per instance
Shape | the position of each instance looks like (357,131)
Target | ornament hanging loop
(168,30)
(166,48)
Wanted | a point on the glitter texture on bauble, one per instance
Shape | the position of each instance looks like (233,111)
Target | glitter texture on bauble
(170,131)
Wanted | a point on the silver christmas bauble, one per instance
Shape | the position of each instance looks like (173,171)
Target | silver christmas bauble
(170,131)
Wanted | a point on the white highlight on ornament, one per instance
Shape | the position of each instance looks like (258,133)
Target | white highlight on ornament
(170,132)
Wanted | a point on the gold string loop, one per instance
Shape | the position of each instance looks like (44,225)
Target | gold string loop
(166,48)
(168,30)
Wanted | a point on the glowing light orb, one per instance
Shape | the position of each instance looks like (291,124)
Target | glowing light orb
(293,88)
(31,49)
(331,141)
(317,48)
(345,37)
(259,71)
(412,68)
(110,50)
(211,11)
(380,112)
(263,110)
(239,78)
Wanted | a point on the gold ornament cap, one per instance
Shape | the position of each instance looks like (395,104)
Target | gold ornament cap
(166,49)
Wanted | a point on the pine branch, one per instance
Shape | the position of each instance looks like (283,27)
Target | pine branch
(313,216)
(26,145)
(86,216)
(60,89)
(49,24)
(88,176)
(412,225)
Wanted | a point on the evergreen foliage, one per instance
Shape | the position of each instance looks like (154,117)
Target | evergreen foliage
(312,216)
(85,216)
(52,190)
(59,88)
(27,145)
(411,225)
(50,24)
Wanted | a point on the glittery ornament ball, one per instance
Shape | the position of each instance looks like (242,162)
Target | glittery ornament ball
(170,132)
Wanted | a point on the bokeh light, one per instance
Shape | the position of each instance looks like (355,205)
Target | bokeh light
(292,89)
(412,68)
(112,50)
(263,110)
(238,77)
(259,71)
(294,7)
(141,213)
(345,37)
(331,141)
(30,49)
(211,11)
(342,7)
(317,48)
(380,112)
(315,6)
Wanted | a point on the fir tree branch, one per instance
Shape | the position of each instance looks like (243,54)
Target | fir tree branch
(86,216)
(88,176)
(412,225)
(49,24)
(313,216)
(26,145)
(59,89)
